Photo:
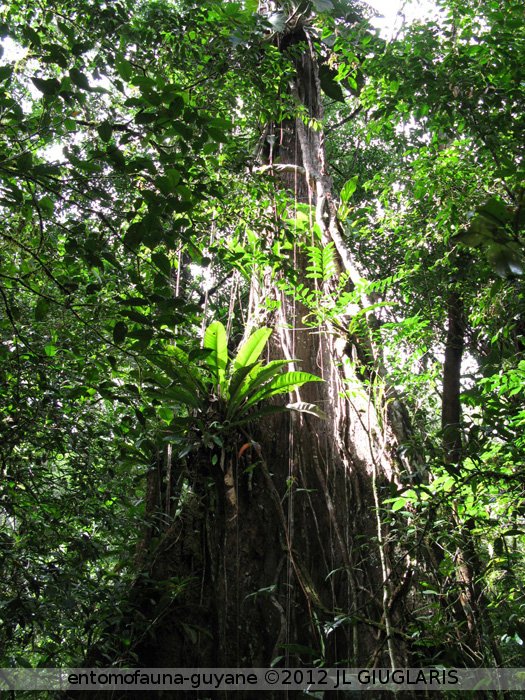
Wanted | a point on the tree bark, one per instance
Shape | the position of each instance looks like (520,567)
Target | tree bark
(451,399)
(474,604)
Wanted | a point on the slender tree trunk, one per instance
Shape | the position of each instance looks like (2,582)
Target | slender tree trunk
(451,400)
(482,649)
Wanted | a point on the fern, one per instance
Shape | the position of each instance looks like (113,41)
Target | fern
(322,262)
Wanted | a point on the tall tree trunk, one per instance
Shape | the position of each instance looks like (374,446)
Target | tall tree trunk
(287,553)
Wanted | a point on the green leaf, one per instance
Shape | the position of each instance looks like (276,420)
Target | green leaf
(5,72)
(50,350)
(222,124)
(105,131)
(236,382)
(290,381)
(261,375)
(349,188)
(79,79)
(489,222)
(24,161)
(496,211)
(47,87)
(143,336)
(136,316)
(183,396)
(506,260)
(116,156)
(134,301)
(399,504)
(329,85)
(244,384)
(134,235)
(124,69)
(41,309)
(470,238)
(322,264)
(215,340)
(283,384)
(120,331)
(251,349)
(167,184)
(166,414)
(183,372)
(255,414)
(145,117)
(303,407)
(47,206)
(173,176)
(162,261)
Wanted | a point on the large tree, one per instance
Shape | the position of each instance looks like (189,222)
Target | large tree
(195,191)
(286,540)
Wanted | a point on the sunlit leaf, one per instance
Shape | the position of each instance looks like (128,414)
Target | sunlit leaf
(251,349)
(215,339)
(303,407)
(165,413)
(284,383)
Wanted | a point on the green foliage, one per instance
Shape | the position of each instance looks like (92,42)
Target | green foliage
(346,193)
(215,340)
(132,214)
(233,390)
(439,209)
(322,262)
(330,87)
(496,228)
(108,162)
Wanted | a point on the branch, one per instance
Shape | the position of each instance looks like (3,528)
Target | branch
(345,120)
